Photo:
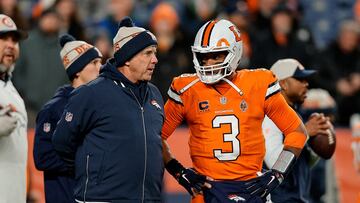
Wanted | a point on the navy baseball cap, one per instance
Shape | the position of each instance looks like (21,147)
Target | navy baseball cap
(285,68)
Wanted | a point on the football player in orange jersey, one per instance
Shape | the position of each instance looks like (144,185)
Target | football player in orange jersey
(224,110)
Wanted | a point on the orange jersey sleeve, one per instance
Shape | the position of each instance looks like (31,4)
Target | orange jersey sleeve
(285,119)
(174,107)
(174,115)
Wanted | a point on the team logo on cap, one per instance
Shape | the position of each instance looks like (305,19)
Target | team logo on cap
(47,127)
(154,102)
(75,53)
(69,116)
(8,22)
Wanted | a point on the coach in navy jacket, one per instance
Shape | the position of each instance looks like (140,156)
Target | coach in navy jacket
(111,127)
(81,67)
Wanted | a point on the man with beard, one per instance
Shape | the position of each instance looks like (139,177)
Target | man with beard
(13,118)
(294,85)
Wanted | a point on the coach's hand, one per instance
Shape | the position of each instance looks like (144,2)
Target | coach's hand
(8,125)
(261,186)
(192,181)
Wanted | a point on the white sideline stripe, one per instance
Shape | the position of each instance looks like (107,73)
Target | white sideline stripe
(78,201)
(272,89)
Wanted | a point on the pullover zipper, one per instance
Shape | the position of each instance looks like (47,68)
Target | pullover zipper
(145,143)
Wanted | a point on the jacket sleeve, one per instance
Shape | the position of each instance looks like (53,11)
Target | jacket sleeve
(45,156)
(77,120)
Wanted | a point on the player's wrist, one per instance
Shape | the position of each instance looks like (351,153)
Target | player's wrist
(175,168)
(283,164)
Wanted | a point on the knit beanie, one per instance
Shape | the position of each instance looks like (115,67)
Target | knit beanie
(76,54)
(130,40)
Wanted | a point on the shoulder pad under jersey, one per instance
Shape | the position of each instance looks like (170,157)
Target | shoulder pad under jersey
(180,84)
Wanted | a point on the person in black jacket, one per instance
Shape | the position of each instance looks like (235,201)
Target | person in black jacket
(111,128)
(82,64)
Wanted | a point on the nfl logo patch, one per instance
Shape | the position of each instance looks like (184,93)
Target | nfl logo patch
(68,116)
(47,127)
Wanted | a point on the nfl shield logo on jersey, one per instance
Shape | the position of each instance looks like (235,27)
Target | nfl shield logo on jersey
(68,116)
(47,127)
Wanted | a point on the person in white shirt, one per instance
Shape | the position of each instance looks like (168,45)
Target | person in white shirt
(13,118)
(293,78)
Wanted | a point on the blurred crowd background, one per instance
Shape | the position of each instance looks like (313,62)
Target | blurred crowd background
(321,34)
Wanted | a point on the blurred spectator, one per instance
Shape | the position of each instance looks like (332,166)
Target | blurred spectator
(172,59)
(116,10)
(283,41)
(39,70)
(320,101)
(70,19)
(339,71)
(323,17)
(237,12)
(197,13)
(261,18)
(101,41)
(39,7)
(357,11)
(11,8)
(92,10)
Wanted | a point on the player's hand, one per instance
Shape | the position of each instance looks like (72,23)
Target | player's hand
(192,181)
(264,184)
(8,124)
(317,124)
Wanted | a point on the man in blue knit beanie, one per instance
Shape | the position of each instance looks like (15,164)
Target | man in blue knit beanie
(110,129)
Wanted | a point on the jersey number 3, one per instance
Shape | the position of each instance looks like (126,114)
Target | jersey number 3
(228,137)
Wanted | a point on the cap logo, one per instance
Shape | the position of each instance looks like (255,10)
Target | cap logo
(117,44)
(75,53)
(66,61)
(8,22)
